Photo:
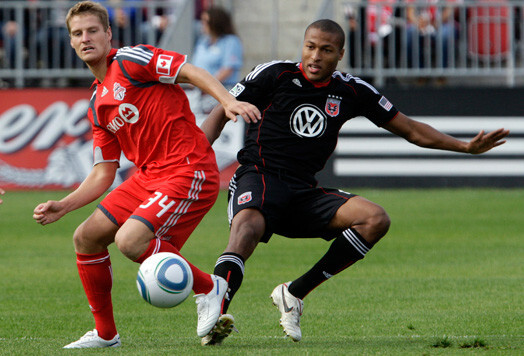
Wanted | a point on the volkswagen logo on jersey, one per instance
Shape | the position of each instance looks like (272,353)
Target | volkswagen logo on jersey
(308,121)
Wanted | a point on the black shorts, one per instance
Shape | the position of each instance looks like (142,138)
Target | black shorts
(291,208)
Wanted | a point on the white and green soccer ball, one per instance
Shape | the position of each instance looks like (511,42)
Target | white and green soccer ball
(164,280)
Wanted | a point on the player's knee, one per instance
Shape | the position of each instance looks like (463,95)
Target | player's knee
(88,240)
(126,244)
(79,238)
(379,222)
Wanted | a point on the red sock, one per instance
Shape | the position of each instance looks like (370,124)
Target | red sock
(202,282)
(97,278)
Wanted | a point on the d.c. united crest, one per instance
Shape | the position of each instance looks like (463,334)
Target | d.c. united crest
(332,105)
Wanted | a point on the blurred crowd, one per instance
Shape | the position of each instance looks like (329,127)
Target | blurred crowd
(38,28)
(413,34)
(429,33)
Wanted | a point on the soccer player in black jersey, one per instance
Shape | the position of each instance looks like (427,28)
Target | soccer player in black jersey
(274,190)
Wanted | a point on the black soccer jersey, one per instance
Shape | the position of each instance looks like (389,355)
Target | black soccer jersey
(301,119)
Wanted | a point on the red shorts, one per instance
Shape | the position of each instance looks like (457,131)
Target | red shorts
(172,210)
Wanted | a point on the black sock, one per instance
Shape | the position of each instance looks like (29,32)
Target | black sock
(345,250)
(230,266)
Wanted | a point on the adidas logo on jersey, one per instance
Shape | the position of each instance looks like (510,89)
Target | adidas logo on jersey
(104,92)
(297,82)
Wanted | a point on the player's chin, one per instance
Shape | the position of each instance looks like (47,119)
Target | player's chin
(318,77)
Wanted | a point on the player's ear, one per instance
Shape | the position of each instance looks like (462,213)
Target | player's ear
(109,33)
(341,54)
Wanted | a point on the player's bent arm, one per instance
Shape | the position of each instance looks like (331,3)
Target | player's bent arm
(96,183)
(214,123)
(203,80)
(224,73)
(424,135)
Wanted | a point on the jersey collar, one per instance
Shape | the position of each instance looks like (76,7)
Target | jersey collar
(315,84)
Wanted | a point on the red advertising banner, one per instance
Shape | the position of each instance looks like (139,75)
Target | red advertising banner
(45,140)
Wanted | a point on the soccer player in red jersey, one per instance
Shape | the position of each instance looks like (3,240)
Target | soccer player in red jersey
(304,106)
(138,110)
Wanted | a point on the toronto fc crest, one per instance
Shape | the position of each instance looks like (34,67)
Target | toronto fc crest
(119,91)
(333,105)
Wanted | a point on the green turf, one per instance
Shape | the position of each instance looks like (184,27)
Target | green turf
(447,279)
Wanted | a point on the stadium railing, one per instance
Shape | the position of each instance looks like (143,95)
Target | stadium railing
(484,39)
(481,38)
(34,41)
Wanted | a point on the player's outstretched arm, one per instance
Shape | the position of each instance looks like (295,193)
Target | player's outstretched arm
(96,183)
(203,80)
(424,135)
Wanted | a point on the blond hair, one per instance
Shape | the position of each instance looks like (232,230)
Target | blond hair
(88,8)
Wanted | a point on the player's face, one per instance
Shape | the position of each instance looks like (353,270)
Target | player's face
(320,54)
(88,38)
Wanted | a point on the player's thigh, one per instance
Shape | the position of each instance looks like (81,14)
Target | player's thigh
(95,233)
(310,212)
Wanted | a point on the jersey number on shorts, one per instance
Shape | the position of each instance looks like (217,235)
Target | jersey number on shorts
(162,203)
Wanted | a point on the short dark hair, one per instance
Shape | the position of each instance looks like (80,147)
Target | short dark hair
(329,26)
(88,8)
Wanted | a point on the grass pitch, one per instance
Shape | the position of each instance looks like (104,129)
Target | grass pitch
(447,279)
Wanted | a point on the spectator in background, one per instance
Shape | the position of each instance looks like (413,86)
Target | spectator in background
(428,26)
(368,25)
(9,30)
(54,50)
(122,17)
(2,192)
(219,50)
(157,20)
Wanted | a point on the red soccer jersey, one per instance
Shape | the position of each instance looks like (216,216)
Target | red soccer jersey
(138,110)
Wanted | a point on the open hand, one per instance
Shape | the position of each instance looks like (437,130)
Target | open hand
(484,142)
(249,112)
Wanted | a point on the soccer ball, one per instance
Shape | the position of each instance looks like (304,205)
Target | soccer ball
(164,280)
